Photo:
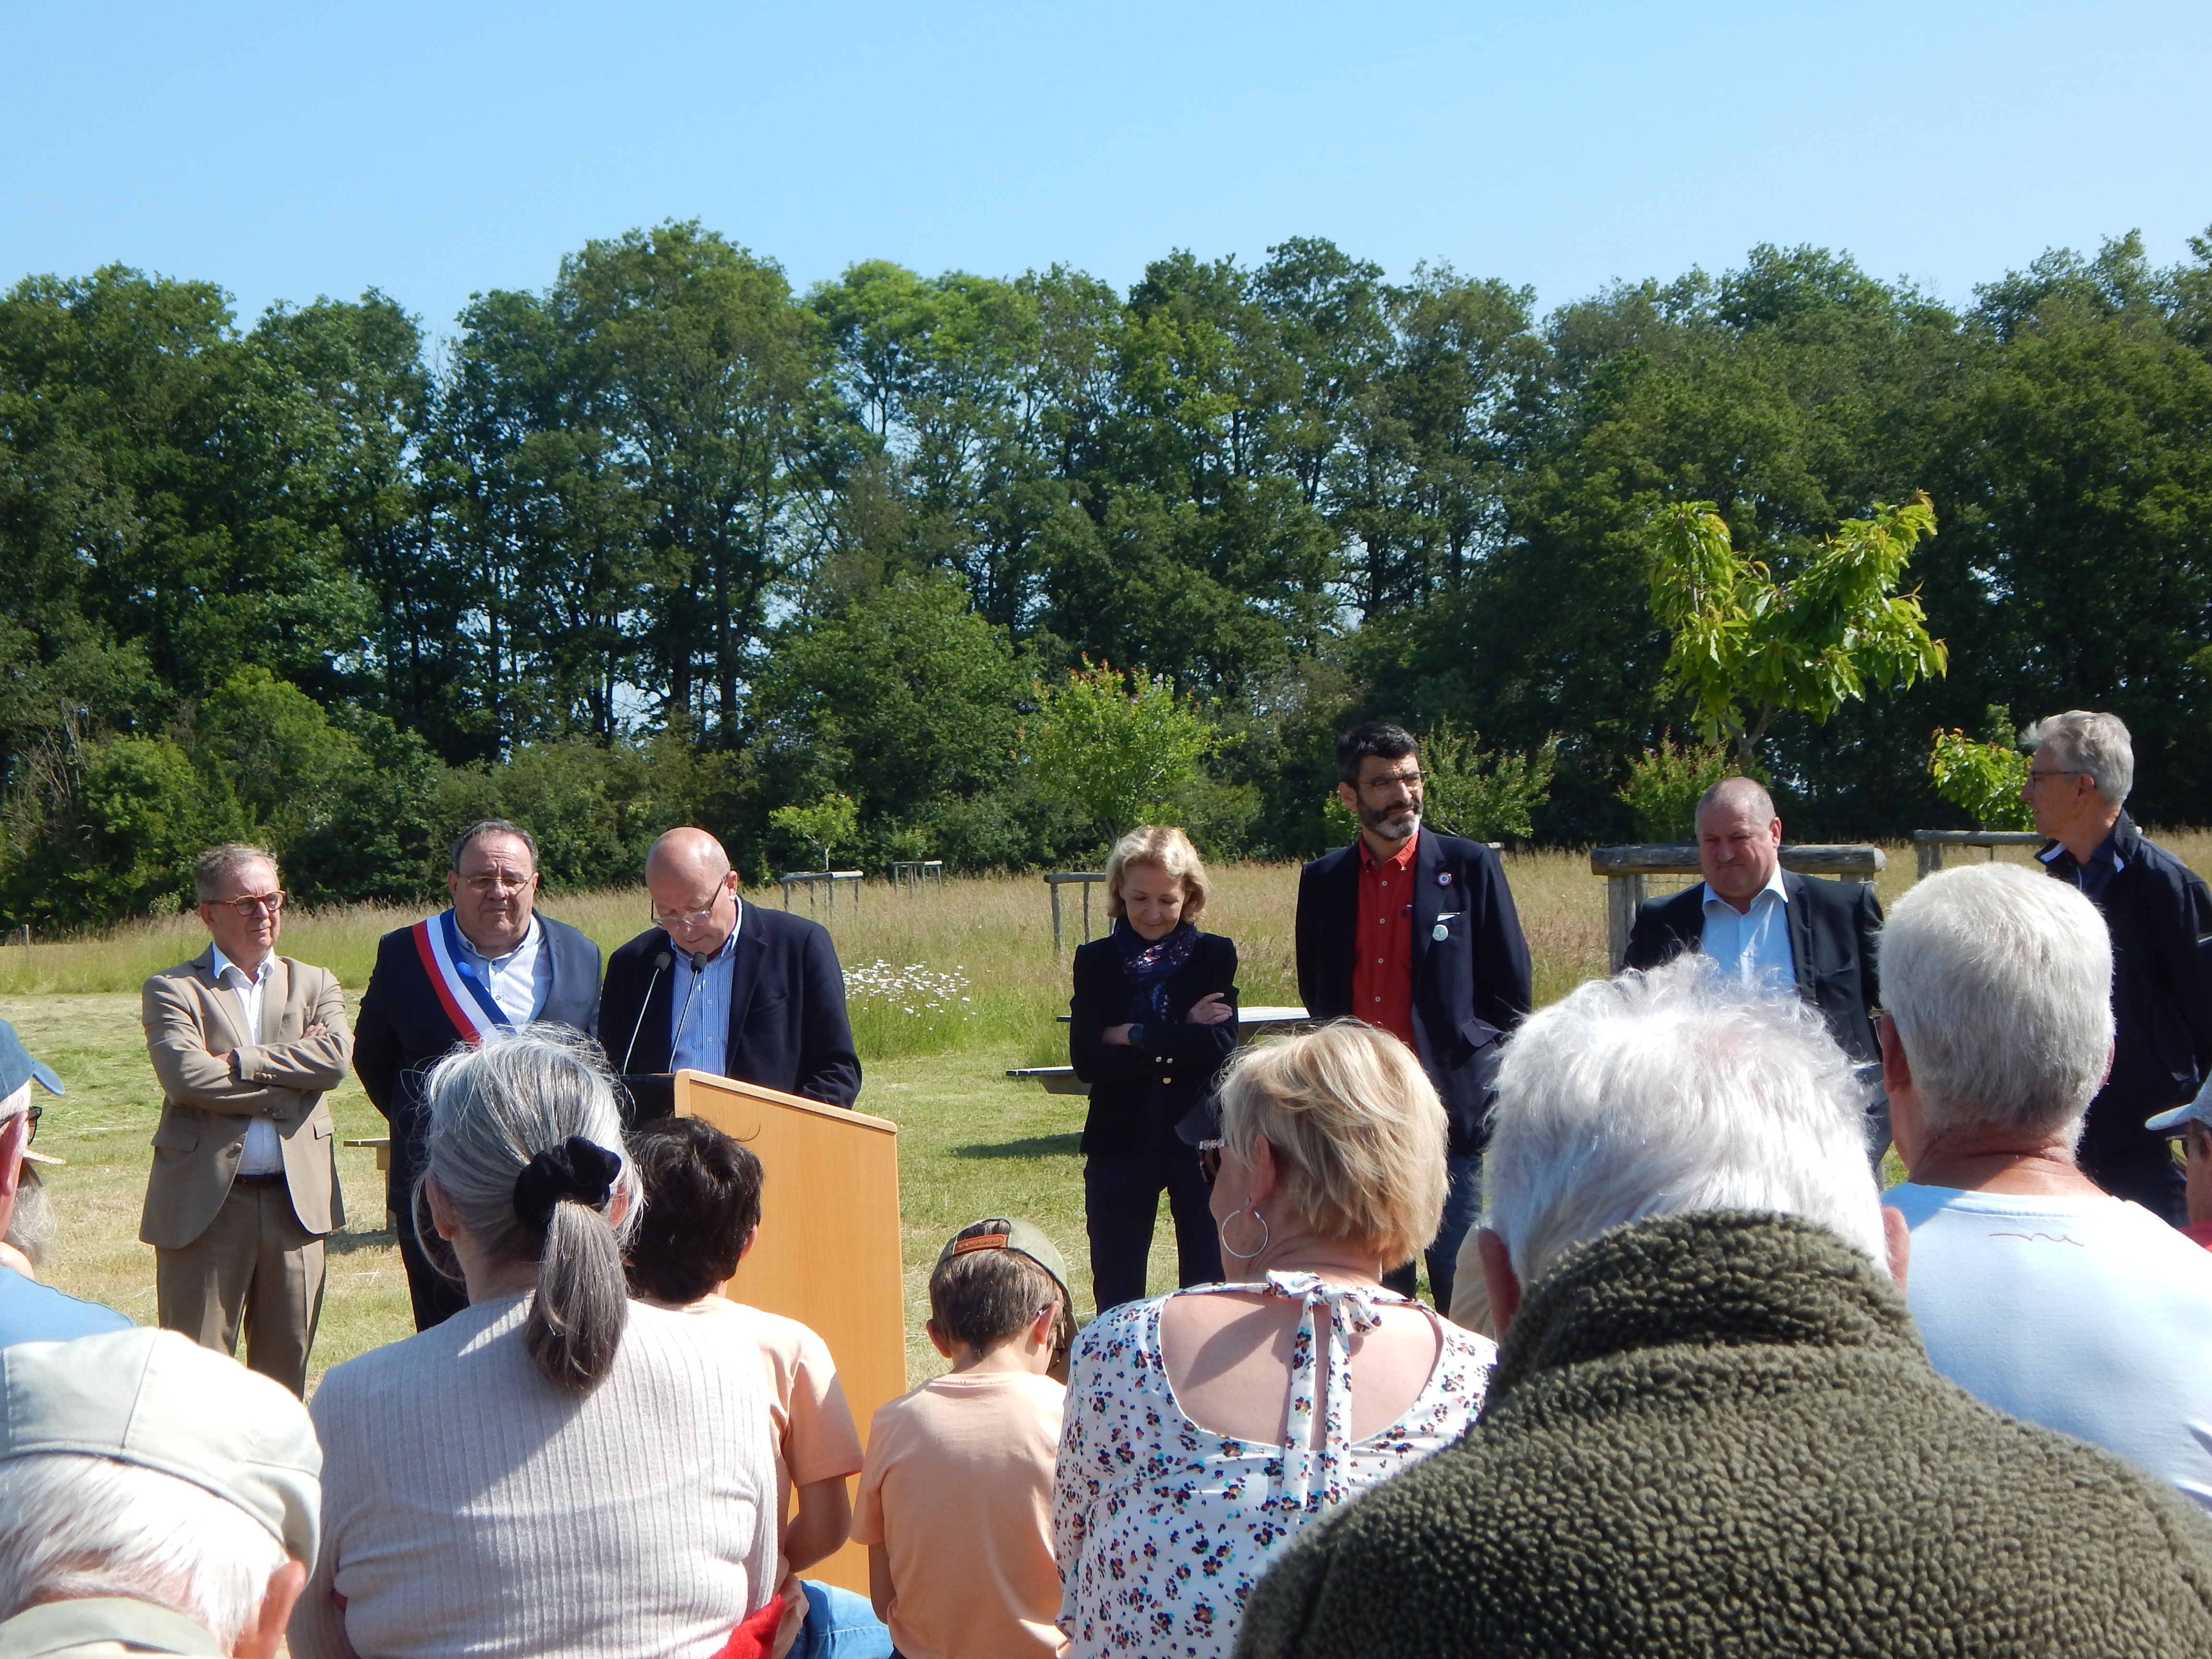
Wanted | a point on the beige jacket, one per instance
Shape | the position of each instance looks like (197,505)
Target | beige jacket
(191,1028)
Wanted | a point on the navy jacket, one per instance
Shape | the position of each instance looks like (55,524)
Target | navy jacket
(1833,929)
(403,1030)
(1181,1059)
(787,1025)
(1470,987)
(2160,913)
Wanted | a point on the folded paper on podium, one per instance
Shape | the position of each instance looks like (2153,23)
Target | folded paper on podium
(828,1251)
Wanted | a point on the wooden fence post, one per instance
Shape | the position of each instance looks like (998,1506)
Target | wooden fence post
(1927,845)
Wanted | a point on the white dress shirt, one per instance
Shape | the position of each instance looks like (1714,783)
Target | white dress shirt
(519,980)
(699,1039)
(263,1153)
(1754,944)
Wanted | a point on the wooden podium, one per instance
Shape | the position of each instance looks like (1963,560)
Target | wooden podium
(828,1253)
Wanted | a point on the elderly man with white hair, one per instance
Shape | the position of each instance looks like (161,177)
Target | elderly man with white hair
(30,1311)
(2034,1290)
(2159,912)
(156,1497)
(1711,1428)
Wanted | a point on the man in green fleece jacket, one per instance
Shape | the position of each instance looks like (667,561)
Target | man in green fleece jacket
(1712,1429)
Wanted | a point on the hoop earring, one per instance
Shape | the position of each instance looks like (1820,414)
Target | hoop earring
(1257,1250)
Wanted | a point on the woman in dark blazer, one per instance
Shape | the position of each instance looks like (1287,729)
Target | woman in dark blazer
(1152,1022)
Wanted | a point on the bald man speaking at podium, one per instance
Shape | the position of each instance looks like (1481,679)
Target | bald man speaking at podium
(717,985)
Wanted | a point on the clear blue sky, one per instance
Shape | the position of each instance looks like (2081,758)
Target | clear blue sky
(291,150)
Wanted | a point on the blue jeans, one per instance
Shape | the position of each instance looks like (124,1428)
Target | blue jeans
(839,1625)
(1462,1203)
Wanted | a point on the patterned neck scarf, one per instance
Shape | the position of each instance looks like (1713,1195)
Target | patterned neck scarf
(1149,966)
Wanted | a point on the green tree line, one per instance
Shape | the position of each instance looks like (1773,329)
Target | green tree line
(671,540)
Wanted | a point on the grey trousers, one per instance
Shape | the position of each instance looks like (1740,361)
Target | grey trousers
(256,1270)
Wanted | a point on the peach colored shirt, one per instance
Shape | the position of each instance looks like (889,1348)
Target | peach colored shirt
(958,1492)
(816,1438)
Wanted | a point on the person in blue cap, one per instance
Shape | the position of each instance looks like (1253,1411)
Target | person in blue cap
(30,1311)
(2188,1132)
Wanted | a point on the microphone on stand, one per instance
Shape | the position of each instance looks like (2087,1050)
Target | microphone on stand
(698,962)
(661,961)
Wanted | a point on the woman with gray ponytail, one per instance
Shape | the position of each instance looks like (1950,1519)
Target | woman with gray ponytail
(556,1469)
(526,1183)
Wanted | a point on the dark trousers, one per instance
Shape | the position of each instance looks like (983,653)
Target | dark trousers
(1121,1203)
(436,1297)
(1877,1115)
(2144,1173)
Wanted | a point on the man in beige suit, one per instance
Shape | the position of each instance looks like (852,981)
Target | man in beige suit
(245,1180)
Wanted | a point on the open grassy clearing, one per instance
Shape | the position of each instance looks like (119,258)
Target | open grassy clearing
(971,1143)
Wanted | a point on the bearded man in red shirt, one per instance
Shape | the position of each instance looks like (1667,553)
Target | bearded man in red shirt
(1416,932)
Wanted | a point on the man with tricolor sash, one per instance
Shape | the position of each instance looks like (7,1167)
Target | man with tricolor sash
(489,963)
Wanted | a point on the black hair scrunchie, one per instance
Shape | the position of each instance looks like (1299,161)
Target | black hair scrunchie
(577,1168)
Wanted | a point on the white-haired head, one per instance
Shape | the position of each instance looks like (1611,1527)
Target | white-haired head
(74,1526)
(1999,981)
(2095,744)
(1669,1091)
(512,1106)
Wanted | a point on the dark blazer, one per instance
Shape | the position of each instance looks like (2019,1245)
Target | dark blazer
(2159,914)
(1183,1059)
(403,1029)
(1833,931)
(1470,987)
(787,1025)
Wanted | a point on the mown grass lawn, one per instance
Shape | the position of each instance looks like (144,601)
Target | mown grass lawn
(971,1143)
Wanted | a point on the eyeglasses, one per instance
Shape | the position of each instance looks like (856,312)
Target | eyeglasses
(2044,777)
(31,1116)
(672,920)
(1411,780)
(254,903)
(1209,1160)
(2183,1144)
(497,883)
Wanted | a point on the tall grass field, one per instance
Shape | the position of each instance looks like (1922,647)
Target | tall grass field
(949,988)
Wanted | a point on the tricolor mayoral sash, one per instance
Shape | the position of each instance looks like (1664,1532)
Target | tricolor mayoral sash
(467,1000)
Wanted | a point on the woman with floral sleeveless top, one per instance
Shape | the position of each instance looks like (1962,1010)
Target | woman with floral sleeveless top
(1204,1428)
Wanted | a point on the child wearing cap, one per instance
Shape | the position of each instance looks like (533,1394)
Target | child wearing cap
(956,1498)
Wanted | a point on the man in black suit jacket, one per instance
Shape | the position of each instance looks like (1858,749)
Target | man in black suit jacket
(1435,955)
(766,1002)
(489,962)
(2159,914)
(1752,916)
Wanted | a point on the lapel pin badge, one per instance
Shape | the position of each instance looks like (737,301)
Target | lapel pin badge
(1444,878)
(1440,932)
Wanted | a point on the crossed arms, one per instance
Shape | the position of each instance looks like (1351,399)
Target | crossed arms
(272,1077)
